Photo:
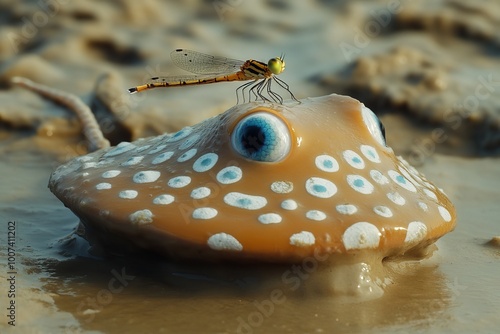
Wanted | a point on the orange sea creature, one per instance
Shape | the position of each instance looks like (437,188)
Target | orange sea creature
(262,182)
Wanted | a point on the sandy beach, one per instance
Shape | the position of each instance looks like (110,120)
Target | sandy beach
(429,70)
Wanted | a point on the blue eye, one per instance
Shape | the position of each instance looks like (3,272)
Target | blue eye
(261,136)
(374,125)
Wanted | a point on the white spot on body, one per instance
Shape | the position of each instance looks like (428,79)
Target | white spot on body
(326,163)
(189,142)
(289,204)
(164,199)
(85,158)
(179,181)
(361,235)
(245,201)
(383,211)
(282,187)
(415,173)
(360,184)
(224,241)
(157,149)
(270,218)
(132,161)
(346,209)
(141,217)
(444,213)
(205,162)
(429,185)
(423,206)
(409,177)
(315,215)
(353,159)
(146,176)
(187,155)
(162,157)
(87,165)
(201,192)
(119,149)
(128,194)
(320,187)
(180,134)
(430,194)
(416,231)
(110,174)
(142,148)
(378,177)
(105,162)
(396,198)
(403,161)
(103,185)
(370,153)
(302,239)
(204,213)
(229,175)
(401,181)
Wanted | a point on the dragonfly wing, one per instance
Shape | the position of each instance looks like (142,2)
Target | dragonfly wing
(200,63)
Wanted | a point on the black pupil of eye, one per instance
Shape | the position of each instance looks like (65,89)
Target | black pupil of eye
(252,138)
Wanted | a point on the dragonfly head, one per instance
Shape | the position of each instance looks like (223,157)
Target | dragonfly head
(276,65)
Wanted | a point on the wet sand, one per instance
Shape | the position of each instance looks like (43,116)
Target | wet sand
(420,73)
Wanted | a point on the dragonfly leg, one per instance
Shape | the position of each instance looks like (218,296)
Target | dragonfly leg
(275,96)
(259,88)
(284,85)
(251,91)
(254,89)
(242,89)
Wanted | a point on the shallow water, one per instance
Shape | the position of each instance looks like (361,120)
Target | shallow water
(63,286)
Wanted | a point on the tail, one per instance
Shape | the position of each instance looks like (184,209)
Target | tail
(91,128)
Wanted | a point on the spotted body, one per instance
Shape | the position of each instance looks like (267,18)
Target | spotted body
(263,182)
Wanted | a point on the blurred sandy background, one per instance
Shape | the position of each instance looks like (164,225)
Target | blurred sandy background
(429,69)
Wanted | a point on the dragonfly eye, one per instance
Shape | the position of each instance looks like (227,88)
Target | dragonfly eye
(261,136)
(276,65)
(374,125)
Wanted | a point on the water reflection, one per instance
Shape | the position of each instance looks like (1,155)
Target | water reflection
(144,293)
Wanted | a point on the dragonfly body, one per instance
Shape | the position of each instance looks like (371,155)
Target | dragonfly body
(211,69)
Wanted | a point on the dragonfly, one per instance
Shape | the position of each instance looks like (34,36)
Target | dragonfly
(210,69)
